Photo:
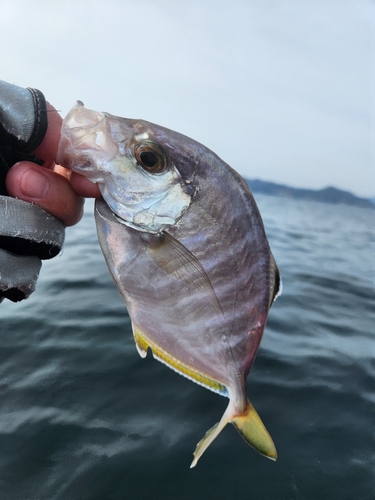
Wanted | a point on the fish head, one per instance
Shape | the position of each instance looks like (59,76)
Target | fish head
(134,164)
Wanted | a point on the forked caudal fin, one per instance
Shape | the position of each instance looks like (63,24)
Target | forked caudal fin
(248,424)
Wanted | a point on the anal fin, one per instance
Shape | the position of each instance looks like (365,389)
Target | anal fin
(140,342)
(142,352)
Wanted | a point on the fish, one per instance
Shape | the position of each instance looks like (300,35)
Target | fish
(185,243)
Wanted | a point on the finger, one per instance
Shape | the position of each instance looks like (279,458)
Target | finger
(48,148)
(81,185)
(51,191)
(84,187)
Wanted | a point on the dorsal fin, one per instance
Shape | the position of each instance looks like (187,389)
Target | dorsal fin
(276,285)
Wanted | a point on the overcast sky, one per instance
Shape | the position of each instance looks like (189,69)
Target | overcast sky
(282,90)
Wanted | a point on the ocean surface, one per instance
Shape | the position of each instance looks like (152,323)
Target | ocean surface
(82,416)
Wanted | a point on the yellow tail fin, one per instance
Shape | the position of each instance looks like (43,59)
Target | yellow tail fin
(248,424)
(252,429)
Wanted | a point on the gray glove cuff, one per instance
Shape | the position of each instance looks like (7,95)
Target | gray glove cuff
(27,234)
(27,229)
(18,275)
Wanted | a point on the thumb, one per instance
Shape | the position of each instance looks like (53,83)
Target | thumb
(48,189)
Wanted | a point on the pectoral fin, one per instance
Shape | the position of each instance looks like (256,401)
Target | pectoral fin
(248,424)
(171,255)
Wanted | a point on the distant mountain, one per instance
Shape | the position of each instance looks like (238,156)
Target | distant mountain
(328,195)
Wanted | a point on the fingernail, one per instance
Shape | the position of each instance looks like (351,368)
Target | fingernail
(34,184)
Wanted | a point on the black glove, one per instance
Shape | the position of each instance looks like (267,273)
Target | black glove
(27,232)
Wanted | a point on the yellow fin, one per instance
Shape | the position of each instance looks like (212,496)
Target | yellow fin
(248,424)
(142,343)
(142,352)
(252,429)
(207,439)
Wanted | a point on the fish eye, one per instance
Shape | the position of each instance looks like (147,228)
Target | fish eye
(151,157)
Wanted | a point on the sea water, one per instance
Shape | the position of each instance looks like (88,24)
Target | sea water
(82,416)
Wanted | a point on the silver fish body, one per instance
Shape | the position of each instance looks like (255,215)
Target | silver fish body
(191,261)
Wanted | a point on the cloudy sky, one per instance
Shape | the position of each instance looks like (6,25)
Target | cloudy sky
(282,90)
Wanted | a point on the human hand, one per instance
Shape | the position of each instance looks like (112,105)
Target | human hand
(29,135)
(57,190)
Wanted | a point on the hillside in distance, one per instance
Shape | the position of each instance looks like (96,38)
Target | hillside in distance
(330,195)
